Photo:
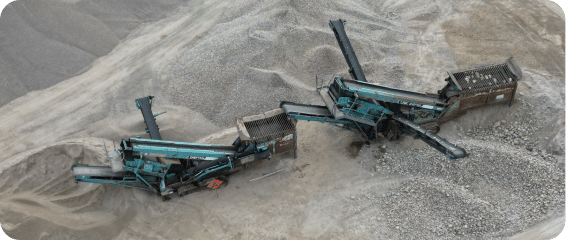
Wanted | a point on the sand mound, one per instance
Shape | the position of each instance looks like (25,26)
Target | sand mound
(39,192)
(45,42)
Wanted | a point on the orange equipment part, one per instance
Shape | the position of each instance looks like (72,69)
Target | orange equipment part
(214,184)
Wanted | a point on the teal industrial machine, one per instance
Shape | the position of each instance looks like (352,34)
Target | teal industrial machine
(357,105)
(166,167)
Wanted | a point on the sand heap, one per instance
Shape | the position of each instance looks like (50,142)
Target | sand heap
(45,42)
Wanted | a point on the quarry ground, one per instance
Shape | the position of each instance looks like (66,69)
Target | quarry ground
(208,61)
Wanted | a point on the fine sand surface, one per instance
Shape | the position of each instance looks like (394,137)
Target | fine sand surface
(208,61)
(45,42)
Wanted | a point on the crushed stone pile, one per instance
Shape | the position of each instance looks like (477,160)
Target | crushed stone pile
(497,191)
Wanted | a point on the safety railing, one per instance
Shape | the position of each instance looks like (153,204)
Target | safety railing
(321,83)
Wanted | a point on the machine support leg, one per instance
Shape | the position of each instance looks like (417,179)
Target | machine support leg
(362,131)
(146,183)
(295,147)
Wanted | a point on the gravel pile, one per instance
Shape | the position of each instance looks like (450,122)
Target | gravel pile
(262,54)
(497,191)
(522,133)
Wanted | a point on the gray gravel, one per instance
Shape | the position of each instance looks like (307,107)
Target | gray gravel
(521,133)
(261,55)
(506,184)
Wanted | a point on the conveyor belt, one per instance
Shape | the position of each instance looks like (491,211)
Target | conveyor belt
(398,93)
(355,70)
(145,105)
(226,149)
(432,139)
(97,171)
(306,110)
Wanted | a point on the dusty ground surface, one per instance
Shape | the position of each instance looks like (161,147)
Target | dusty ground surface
(208,61)
(45,42)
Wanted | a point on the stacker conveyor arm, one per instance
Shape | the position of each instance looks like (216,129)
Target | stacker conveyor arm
(435,141)
(144,104)
(355,70)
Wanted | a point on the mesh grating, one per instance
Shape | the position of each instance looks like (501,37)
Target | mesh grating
(484,78)
(270,128)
